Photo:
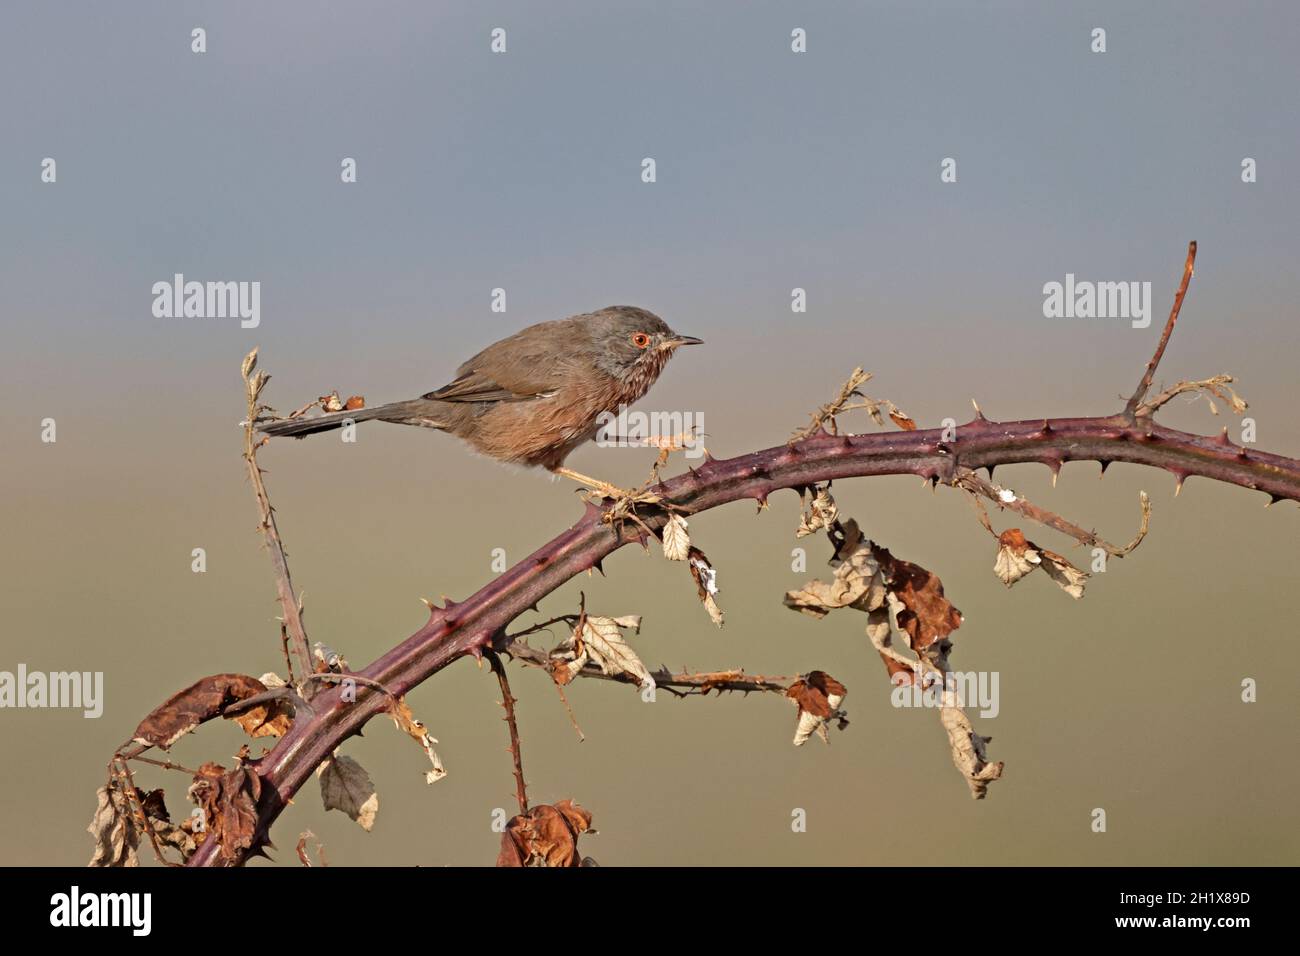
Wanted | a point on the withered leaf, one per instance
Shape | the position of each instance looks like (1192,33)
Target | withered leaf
(165,832)
(545,836)
(407,722)
(1018,556)
(821,512)
(228,799)
(706,583)
(818,696)
(676,542)
(857,582)
(270,719)
(604,644)
(345,785)
(1068,578)
(599,640)
(927,616)
(869,578)
(901,420)
(968,753)
(200,702)
(114,829)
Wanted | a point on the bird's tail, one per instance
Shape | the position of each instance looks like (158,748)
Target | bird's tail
(302,427)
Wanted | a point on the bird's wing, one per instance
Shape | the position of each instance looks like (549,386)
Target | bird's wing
(518,368)
(474,386)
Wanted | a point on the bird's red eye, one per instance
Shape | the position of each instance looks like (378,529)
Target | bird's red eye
(640,340)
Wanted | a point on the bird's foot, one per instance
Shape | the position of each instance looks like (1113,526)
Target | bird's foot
(623,501)
(596,490)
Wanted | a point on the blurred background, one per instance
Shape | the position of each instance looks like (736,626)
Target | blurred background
(775,170)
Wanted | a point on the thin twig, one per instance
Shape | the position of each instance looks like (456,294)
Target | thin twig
(1216,385)
(166,765)
(137,808)
(289,604)
(828,411)
(1131,408)
(568,709)
(1009,500)
(682,684)
(508,701)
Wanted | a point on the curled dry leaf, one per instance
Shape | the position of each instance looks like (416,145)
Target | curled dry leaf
(1018,556)
(901,420)
(820,511)
(600,641)
(857,582)
(706,583)
(301,849)
(818,696)
(256,384)
(677,543)
(968,754)
(545,836)
(228,799)
(165,832)
(206,699)
(407,722)
(114,828)
(868,578)
(345,785)
(926,615)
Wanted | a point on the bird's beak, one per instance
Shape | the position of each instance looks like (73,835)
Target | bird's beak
(679,340)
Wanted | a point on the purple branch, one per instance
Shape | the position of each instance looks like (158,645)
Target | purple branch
(472,626)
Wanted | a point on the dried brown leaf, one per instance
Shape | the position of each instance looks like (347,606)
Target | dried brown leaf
(706,583)
(228,799)
(927,616)
(676,541)
(545,836)
(202,701)
(818,696)
(1018,556)
(345,785)
(114,828)
(415,729)
(821,512)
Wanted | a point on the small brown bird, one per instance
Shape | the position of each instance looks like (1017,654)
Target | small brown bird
(535,396)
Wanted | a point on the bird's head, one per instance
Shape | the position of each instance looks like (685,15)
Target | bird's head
(633,345)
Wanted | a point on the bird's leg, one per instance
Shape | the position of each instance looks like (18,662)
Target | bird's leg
(602,488)
(623,502)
